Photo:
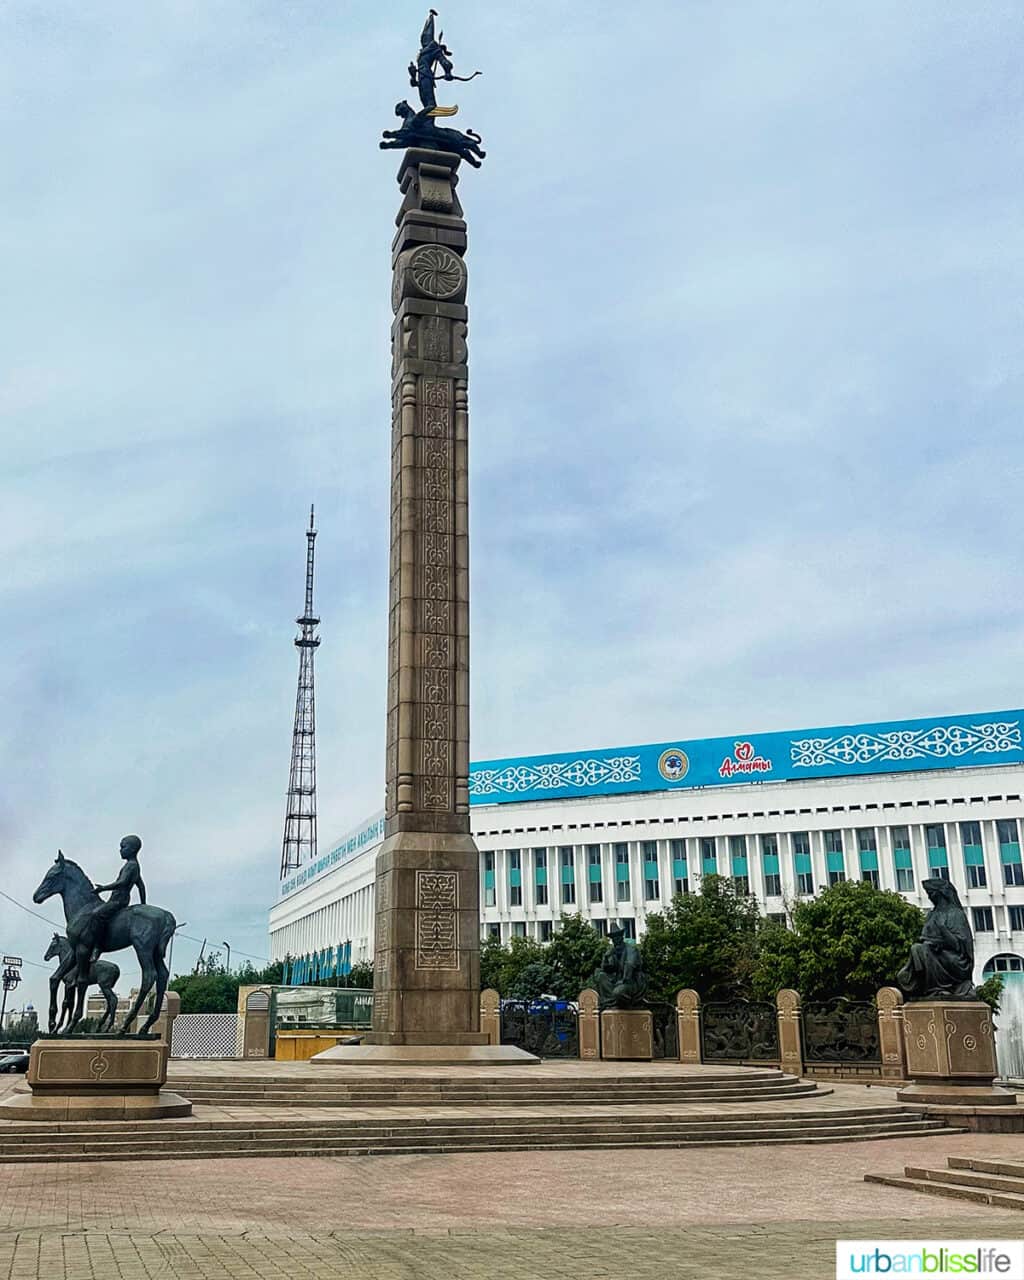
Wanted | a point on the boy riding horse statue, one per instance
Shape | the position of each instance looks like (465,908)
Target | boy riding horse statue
(95,927)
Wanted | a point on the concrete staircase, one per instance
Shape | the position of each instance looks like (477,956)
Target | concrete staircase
(492,1130)
(999,1183)
(321,1088)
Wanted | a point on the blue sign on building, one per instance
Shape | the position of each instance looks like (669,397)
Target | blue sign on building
(840,751)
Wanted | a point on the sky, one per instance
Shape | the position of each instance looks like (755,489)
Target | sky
(746,291)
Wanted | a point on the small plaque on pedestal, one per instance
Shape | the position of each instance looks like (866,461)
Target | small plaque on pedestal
(96,1078)
(627,1035)
(951,1054)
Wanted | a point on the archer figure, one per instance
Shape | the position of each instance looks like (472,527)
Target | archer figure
(422,73)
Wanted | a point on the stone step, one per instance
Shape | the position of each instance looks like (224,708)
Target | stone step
(659,1078)
(1009,1168)
(968,1178)
(569,1127)
(182,1151)
(538,1097)
(933,1188)
(604,1115)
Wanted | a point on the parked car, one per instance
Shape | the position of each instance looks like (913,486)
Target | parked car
(14,1061)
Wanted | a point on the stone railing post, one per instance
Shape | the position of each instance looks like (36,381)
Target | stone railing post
(688,1022)
(589,1026)
(791,1040)
(889,1002)
(490,1015)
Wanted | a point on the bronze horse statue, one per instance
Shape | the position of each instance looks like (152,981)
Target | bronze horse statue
(103,974)
(147,929)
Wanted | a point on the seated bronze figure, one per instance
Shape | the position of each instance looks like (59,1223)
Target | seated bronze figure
(941,964)
(620,982)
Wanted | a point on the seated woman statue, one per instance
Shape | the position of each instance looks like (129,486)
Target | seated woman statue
(941,965)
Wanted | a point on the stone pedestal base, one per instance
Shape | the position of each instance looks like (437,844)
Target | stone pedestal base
(96,1078)
(424,1055)
(627,1035)
(426,979)
(951,1054)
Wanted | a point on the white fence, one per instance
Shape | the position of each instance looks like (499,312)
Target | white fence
(205,1035)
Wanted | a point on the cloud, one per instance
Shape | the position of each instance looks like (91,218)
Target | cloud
(745,341)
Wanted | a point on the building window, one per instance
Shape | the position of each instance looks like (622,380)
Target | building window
(976,878)
(802,863)
(595,886)
(682,884)
(544,930)
(650,850)
(629,928)
(866,842)
(1004,964)
(867,853)
(541,892)
(970,834)
(622,890)
(741,884)
(870,876)
(518,929)
(567,868)
(652,890)
(489,897)
(601,926)
(1013,873)
(708,856)
(982,919)
(902,859)
(494,931)
(515,895)
(1016,919)
(680,868)
(833,841)
(1006,831)
(770,866)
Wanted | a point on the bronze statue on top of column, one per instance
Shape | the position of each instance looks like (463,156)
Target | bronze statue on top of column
(418,128)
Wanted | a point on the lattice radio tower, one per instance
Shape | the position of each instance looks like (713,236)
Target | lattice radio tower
(299,844)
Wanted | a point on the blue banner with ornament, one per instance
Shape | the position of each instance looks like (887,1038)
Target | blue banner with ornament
(899,746)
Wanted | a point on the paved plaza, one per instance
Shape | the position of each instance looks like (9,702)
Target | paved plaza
(728,1212)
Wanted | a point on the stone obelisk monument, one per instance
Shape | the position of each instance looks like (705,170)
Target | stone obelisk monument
(426,1000)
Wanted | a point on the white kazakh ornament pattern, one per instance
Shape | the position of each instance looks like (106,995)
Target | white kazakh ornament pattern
(937,742)
(517,778)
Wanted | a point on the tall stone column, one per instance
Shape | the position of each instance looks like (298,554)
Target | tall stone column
(426,998)
(427,926)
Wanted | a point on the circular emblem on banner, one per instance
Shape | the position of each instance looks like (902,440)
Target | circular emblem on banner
(674,764)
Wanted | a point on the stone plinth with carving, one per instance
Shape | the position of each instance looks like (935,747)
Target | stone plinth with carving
(426,979)
(951,1054)
(627,1035)
(96,1078)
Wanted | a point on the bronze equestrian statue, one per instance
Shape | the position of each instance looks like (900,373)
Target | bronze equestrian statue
(103,974)
(941,964)
(95,927)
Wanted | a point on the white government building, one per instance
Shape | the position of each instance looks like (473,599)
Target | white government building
(615,833)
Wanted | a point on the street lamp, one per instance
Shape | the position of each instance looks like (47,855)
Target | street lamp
(227,946)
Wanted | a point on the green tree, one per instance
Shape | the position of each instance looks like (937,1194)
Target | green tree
(573,954)
(492,960)
(706,940)
(537,979)
(848,941)
(991,991)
